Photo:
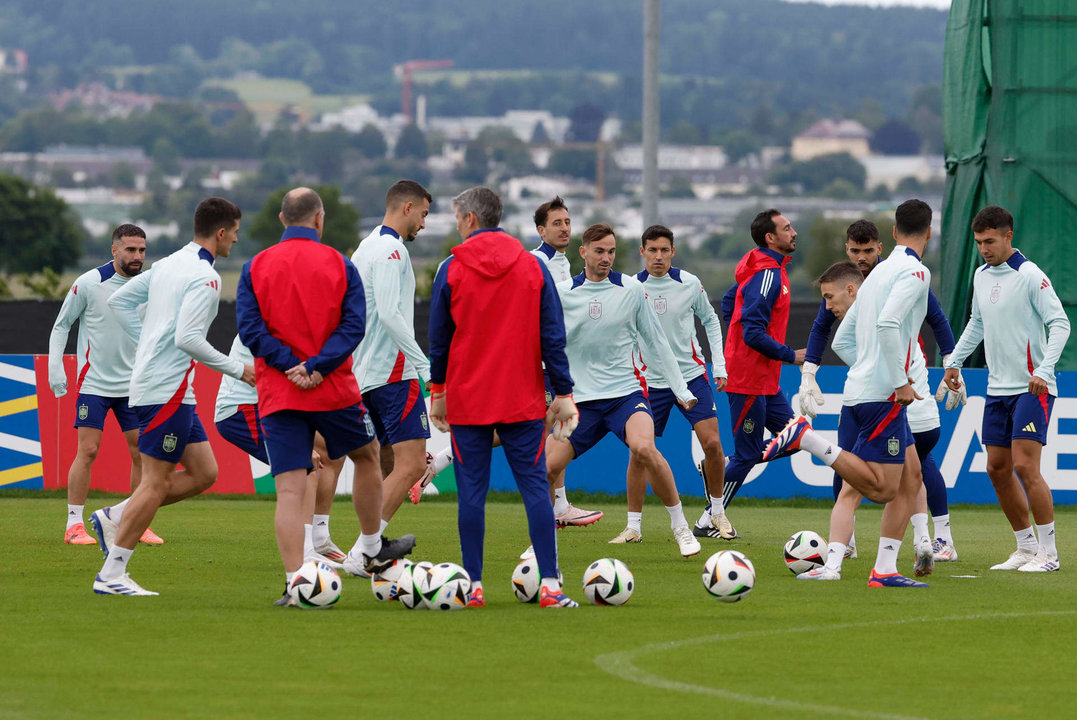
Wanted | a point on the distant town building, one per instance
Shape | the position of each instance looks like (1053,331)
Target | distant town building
(827,137)
(889,170)
(13,61)
(705,167)
(102,100)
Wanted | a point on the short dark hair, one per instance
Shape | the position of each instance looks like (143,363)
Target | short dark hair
(213,214)
(842,273)
(992,217)
(544,209)
(404,190)
(299,204)
(862,232)
(654,232)
(912,217)
(128,230)
(763,224)
(597,232)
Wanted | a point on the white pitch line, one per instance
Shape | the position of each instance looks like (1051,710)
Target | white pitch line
(619,664)
(18,374)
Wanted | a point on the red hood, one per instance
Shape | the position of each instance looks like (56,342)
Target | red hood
(491,253)
(753,262)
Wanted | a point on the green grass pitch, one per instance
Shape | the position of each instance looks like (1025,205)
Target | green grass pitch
(977,644)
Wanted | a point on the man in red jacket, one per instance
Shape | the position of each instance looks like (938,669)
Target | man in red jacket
(494,318)
(757,312)
(301,310)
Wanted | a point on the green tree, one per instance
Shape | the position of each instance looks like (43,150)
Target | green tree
(39,229)
(341,220)
(371,143)
(411,143)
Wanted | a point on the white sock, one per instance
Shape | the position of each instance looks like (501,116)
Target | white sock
(820,447)
(716,506)
(308,541)
(835,554)
(560,501)
(368,544)
(443,460)
(635,521)
(551,584)
(116,563)
(886,560)
(476,585)
(1026,539)
(942,529)
(676,516)
(705,517)
(116,511)
(321,530)
(384,524)
(288,578)
(920,533)
(852,538)
(74,515)
(1047,538)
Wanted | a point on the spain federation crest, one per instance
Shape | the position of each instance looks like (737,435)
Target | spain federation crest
(749,426)
(425,422)
(84,412)
(996,291)
(893,446)
(660,305)
(594,309)
(169,443)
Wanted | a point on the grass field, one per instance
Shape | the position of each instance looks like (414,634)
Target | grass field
(977,644)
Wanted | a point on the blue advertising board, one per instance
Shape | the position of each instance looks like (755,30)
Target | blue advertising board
(959,453)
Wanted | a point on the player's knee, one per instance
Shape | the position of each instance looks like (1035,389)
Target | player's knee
(998,471)
(88,450)
(1026,470)
(712,448)
(644,453)
(206,478)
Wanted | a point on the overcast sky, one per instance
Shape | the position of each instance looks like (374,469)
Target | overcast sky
(940,4)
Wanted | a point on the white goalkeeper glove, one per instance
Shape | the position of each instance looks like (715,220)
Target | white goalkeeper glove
(562,417)
(953,399)
(810,395)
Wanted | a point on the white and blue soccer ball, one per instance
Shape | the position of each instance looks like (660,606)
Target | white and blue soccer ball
(804,551)
(445,587)
(608,582)
(407,587)
(526,581)
(315,585)
(385,584)
(728,575)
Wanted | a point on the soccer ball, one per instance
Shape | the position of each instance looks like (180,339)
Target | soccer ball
(445,587)
(384,584)
(608,582)
(315,585)
(407,586)
(526,580)
(728,575)
(804,551)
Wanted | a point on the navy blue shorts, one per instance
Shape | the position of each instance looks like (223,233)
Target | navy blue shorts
(243,429)
(882,431)
(168,429)
(90,411)
(663,401)
(598,417)
(398,411)
(1016,417)
(289,435)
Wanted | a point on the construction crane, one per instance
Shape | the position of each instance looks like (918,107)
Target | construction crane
(404,71)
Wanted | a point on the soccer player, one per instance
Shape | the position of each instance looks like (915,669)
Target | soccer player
(302,328)
(757,314)
(839,285)
(554,226)
(1012,301)
(389,363)
(486,375)
(606,314)
(883,325)
(678,298)
(864,250)
(181,293)
(238,421)
(105,354)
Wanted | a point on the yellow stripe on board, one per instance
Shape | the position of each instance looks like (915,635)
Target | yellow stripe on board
(18,405)
(18,474)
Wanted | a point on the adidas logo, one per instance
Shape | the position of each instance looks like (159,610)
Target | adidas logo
(395,255)
(918,274)
(213,284)
(641,405)
(1031,427)
(828,451)
(888,547)
(1044,284)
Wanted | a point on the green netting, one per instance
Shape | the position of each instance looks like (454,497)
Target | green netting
(1010,127)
